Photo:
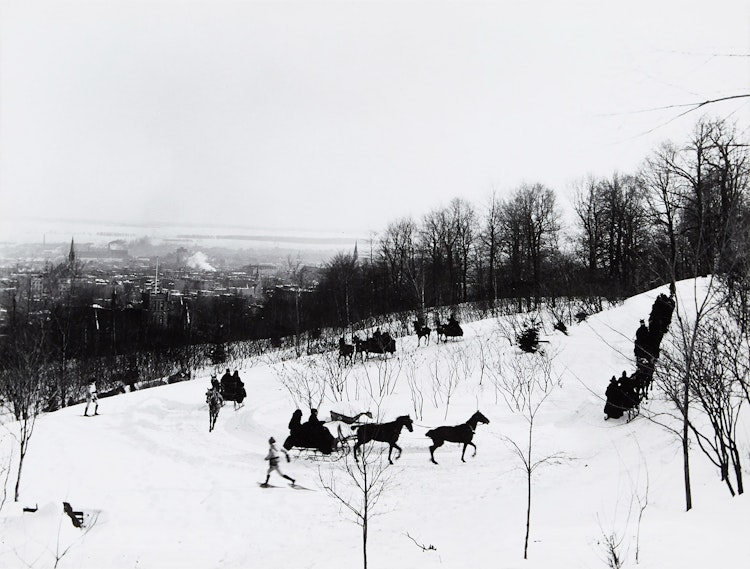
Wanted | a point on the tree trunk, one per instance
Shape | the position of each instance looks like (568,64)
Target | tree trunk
(528,513)
(685,447)
(737,469)
(20,468)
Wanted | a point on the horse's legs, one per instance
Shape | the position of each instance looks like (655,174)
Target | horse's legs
(436,443)
(464,451)
(356,446)
(398,448)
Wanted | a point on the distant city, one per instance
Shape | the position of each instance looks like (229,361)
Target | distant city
(158,268)
(32,244)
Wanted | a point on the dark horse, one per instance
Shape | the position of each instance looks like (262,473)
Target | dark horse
(383,432)
(346,351)
(422,332)
(452,329)
(458,434)
(376,344)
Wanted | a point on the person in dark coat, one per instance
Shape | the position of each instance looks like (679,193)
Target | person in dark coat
(313,420)
(296,422)
(613,408)
(642,341)
(629,389)
(226,384)
(238,389)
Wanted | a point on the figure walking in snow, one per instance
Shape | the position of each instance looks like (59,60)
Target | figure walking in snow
(91,397)
(273,458)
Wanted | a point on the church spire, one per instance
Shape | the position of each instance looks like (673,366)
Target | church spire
(72,254)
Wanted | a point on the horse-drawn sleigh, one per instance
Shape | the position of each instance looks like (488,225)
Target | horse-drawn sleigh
(378,343)
(450,330)
(315,436)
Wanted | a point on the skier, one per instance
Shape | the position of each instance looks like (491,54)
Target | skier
(91,396)
(273,457)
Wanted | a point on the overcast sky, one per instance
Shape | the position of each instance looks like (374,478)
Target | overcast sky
(342,115)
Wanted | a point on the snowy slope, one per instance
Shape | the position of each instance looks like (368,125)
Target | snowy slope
(164,492)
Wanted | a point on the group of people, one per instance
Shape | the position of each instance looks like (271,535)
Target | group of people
(232,388)
(622,394)
(626,392)
(311,434)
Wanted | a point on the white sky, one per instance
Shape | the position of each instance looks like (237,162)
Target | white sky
(328,115)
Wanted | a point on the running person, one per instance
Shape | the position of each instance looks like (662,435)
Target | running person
(273,457)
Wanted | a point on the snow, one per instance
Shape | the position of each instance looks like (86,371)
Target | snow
(160,491)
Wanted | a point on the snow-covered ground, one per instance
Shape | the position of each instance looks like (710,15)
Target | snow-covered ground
(160,491)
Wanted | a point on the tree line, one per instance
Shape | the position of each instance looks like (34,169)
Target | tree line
(683,213)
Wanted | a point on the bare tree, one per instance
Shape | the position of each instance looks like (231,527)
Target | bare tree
(383,376)
(412,365)
(403,261)
(675,369)
(452,368)
(358,486)
(715,392)
(24,386)
(664,200)
(531,223)
(590,218)
(304,382)
(335,373)
(489,242)
(525,389)
(611,543)
(5,469)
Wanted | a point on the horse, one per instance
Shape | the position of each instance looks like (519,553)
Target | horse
(377,344)
(383,432)
(422,332)
(458,434)
(452,329)
(349,420)
(215,401)
(346,351)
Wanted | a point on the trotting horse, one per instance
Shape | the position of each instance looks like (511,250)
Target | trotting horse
(383,432)
(214,400)
(458,434)
(422,332)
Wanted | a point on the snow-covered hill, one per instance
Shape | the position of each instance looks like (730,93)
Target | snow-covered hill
(160,491)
